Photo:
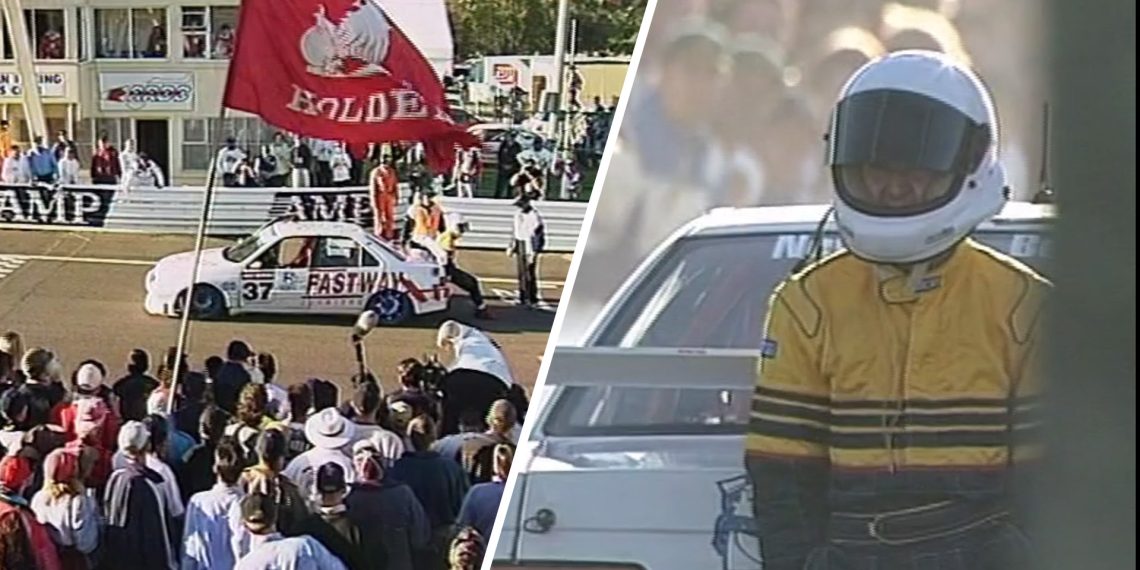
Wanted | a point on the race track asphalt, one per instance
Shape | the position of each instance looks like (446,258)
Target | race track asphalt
(81,294)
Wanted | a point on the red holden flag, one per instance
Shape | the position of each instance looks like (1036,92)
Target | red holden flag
(339,70)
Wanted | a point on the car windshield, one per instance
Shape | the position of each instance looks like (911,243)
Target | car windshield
(706,292)
(248,245)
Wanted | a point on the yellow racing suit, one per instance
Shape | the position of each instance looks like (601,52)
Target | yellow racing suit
(880,393)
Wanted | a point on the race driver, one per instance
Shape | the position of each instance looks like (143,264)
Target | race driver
(890,421)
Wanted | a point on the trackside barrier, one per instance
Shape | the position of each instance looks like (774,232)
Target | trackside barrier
(238,211)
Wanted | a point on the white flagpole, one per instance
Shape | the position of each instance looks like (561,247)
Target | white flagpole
(199,241)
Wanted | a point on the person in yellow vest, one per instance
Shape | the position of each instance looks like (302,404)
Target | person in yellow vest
(448,241)
(427,217)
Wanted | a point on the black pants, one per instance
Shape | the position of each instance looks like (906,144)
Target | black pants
(996,544)
(503,182)
(323,175)
(466,282)
(105,180)
(45,178)
(229,180)
(525,270)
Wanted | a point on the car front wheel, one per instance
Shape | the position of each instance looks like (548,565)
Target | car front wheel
(391,306)
(207,303)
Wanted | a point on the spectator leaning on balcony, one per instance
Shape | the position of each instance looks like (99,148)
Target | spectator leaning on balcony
(15,169)
(42,162)
(69,168)
(229,158)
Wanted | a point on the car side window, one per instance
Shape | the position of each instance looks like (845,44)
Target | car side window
(368,260)
(334,252)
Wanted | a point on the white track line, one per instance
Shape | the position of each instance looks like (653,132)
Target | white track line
(146,263)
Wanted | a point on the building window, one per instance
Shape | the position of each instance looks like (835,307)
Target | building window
(201,138)
(45,27)
(208,32)
(131,33)
(88,131)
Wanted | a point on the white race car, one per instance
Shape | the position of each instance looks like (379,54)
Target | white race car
(635,460)
(302,267)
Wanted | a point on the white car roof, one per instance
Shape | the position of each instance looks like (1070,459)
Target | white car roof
(336,229)
(727,220)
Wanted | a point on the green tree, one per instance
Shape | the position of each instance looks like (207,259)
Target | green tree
(498,27)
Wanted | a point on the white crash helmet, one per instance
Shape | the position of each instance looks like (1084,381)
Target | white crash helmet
(924,112)
(456,221)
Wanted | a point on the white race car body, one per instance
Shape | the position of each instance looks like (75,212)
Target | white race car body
(303,268)
(625,463)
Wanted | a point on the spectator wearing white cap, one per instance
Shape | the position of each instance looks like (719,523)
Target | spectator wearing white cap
(138,517)
(329,432)
(88,380)
(158,430)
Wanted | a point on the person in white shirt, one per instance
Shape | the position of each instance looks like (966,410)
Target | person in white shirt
(159,429)
(269,550)
(15,169)
(69,168)
(322,157)
(341,165)
(128,162)
(468,170)
(529,239)
(69,513)
(228,160)
(329,432)
(206,538)
(147,174)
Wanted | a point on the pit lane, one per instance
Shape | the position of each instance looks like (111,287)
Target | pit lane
(81,294)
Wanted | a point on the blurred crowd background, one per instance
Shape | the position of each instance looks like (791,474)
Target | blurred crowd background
(731,100)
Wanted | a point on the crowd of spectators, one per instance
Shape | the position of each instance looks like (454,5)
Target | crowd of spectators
(228,468)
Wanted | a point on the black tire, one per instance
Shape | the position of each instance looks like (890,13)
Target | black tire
(207,304)
(391,306)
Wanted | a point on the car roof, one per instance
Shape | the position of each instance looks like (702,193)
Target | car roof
(734,220)
(336,229)
(500,127)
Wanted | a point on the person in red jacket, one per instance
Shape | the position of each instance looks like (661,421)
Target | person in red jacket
(91,430)
(105,167)
(24,542)
(88,383)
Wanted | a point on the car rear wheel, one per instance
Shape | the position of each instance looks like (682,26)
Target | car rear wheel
(207,303)
(391,306)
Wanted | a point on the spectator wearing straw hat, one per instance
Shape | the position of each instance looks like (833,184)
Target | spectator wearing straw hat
(329,432)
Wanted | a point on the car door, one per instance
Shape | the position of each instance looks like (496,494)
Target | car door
(343,277)
(276,281)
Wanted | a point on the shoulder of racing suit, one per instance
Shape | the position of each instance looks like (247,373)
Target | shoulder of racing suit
(1023,290)
(800,293)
